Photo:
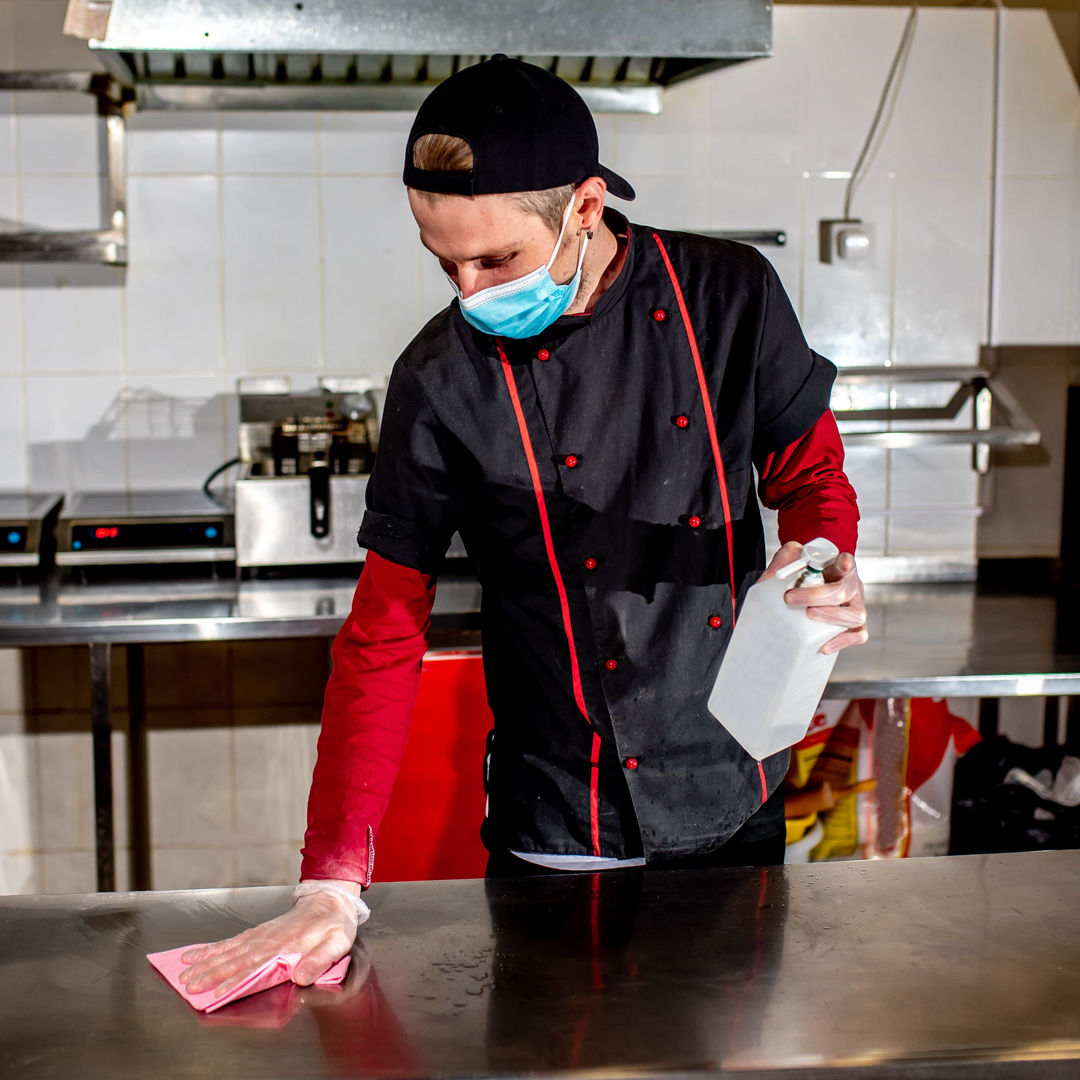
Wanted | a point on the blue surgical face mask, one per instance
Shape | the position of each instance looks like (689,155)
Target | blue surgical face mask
(526,306)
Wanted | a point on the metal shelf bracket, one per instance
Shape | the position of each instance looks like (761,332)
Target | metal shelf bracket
(107,246)
(998,419)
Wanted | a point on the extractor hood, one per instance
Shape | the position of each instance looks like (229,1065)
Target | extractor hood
(388,54)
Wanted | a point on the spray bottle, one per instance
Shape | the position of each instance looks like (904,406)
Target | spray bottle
(773,673)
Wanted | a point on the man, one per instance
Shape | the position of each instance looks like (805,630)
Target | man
(588,414)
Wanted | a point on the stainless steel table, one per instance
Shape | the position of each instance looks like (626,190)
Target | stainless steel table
(927,969)
(134,614)
(925,640)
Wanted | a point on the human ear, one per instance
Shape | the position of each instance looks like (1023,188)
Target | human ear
(590,203)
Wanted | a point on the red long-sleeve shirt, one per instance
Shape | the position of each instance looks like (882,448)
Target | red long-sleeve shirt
(377,655)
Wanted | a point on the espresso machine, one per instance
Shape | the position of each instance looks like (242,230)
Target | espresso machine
(305,458)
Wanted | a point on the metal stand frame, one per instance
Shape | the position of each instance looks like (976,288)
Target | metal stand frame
(137,767)
(101,730)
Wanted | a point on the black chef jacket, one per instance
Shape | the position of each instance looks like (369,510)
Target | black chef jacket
(579,468)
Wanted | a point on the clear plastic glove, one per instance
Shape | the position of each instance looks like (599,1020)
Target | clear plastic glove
(321,925)
(840,600)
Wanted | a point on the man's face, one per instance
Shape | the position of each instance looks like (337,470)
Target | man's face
(486,240)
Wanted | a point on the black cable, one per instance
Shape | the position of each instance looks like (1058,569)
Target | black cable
(901,55)
(215,474)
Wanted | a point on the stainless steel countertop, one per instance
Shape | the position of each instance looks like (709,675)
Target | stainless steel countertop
(925,640)
(56,613)
(957,968)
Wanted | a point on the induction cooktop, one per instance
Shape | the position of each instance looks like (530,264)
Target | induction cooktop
(103,528)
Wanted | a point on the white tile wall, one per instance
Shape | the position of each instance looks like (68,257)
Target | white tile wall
(242,798)
(678,147)
(58,135)
(1038,273)
(12,433)
(758,109)
(941,269)
(1041,191)
(76,432)
(274,143)
(369,254)
(364,144)
(284,243)
(847,311)
(272,273)
(172,143)
(46,803)
(848,53)
(173,308)
(944,113)
(61,202)
(1040,100)
(72,319)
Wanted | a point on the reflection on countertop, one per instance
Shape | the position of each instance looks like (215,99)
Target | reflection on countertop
(957,967)
(200,609)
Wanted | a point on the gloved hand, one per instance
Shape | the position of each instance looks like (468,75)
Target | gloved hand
(321,925)
(839,600)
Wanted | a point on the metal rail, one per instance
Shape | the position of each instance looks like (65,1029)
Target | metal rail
(999,420)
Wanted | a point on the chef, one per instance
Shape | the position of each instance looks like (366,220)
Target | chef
(589,414)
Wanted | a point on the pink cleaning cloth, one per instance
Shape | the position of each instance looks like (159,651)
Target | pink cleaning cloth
(274,972)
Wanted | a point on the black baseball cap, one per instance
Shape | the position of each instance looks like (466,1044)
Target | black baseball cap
(527,128)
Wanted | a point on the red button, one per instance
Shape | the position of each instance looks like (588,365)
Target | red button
(611,665)
(631,762)
(694,522)
(590,564)
(659,314)
(715,622)
(570,461)
(682,421)
(543,354)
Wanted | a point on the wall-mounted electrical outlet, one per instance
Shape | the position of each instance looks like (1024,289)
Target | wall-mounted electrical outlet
(846,242)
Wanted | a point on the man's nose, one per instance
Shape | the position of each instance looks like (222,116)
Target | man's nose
(467,281)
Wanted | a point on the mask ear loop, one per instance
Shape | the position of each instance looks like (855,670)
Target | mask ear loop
(562,231)
(558,244)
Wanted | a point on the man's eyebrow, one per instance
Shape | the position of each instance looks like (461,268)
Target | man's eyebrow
(475,258)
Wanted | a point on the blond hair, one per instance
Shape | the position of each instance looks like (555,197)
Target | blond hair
(449,154)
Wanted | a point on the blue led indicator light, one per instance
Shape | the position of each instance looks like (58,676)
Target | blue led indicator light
(76,544)
(14,537)
(211,532)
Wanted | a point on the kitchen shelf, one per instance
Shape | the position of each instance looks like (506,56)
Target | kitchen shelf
(106,246)
(998,418)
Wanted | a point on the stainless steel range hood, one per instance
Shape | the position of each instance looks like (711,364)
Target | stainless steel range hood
(388,54)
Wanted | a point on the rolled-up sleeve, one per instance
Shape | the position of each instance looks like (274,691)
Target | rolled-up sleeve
(414,504)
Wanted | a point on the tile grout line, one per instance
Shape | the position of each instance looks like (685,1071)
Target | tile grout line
(125,384)
(223,357)
(20,277)
(320,226)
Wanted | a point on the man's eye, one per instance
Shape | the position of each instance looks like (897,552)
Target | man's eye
(492,264)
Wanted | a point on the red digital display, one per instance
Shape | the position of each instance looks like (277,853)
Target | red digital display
(106,532)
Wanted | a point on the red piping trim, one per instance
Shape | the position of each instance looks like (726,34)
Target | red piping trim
(718,461)
(594,792)
(564,603)
(710,419)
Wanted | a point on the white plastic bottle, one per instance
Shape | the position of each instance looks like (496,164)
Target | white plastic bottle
(774,673)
